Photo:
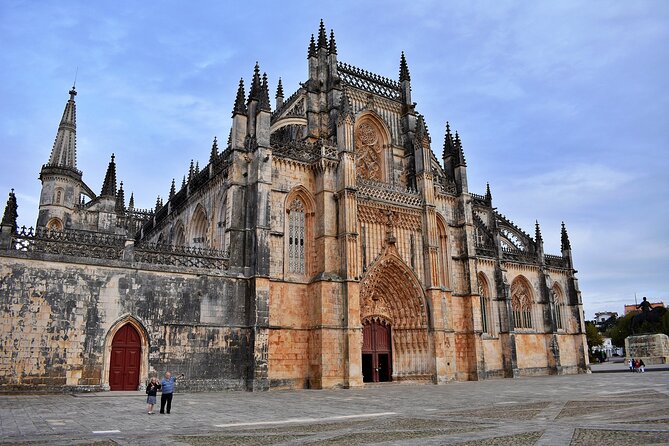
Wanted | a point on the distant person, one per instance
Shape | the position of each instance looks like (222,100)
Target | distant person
(168,389)
(637,365)
(151,391)
(630,363)
(642,366)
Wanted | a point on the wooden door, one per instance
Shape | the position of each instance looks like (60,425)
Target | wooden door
(376,352)
(125,359)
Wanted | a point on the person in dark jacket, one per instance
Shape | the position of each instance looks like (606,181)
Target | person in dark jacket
(151,391)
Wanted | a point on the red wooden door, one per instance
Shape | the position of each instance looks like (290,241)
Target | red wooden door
(125,358)
(376,352)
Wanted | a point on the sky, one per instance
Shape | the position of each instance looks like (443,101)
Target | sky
(563,107)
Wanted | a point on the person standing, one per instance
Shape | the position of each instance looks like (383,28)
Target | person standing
(642,365)
(151,391)
(168,389)
(631,364)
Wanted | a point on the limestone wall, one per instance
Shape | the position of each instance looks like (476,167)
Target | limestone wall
(57,318)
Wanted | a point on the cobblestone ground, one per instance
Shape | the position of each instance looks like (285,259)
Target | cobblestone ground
(594,409)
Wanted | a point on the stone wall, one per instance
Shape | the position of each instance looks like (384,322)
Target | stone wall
(653,349)
(58,316)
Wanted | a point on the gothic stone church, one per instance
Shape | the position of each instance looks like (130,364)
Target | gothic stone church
(324,246)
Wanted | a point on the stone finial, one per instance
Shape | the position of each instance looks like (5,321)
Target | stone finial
(159,203)
(312,48)
(322,36)
(537,233)
(345,108)
(460,153)
(120,199)
(240,104)
(191,171)
(197,167)
(279,90)
(173,189)
(64,151)
(564,239)
(488,195)
(449,148)
(183,182)
(131,203)
(214,152)
(109,184)
(11,215)
(333,44)
(404,69)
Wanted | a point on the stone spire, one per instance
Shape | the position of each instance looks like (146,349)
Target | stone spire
(279,95)
(459,154)
(183,182)
(120,199)
(197,167)
(240,104)
(488,195)
(537,233)
(566,246)
(404,69)
(64,152)
(131,203)
(109,185)
(322,36)
(312,47)
(255,93)
(11,214)
(333,44)
(264,94)
(173,189)
(213,156)
(159,203)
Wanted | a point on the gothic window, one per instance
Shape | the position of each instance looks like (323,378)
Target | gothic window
(521,302)
(58,196)
(369,151)
(199,228)
(443,255)
(484,296)
(559,306)
(179,235)
(296,237)
(222,224)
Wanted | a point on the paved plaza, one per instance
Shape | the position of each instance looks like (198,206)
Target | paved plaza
(595,409)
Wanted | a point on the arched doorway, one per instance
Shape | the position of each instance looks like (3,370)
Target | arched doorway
(376,351)
(125,359)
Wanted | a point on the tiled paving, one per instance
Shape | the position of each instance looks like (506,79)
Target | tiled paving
(594,409)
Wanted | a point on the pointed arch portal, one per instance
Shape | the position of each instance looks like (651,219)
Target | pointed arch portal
(393,312)
(125,359)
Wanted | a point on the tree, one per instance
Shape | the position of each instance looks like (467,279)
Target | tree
(622,328)
(592,335)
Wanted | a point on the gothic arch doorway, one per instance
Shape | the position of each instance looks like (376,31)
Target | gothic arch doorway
(125,359)
(391,296)
(376,351)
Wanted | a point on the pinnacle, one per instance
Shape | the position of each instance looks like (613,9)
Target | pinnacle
(322,36)
(240,105)
(11,214)
(264,94)
(214,153)
(566,245)
(172,189)
(312,47)
(131,203)
(279,90)
(120,199)
(109,184)
(537,232)
(254,93)
(404,69)
(333,44)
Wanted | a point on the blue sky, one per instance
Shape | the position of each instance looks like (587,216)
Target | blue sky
(561,106)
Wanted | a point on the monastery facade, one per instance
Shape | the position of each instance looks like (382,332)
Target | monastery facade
(325,245)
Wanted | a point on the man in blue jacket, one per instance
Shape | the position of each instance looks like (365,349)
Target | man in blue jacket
(167,385)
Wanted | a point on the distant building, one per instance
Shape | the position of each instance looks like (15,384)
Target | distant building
(608,348)
(604,316)
(633,307)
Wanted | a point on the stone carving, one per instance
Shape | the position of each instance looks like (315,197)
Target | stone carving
(367,150)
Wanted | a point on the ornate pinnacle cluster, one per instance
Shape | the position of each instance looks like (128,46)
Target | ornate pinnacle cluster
(109,184)
(322,36)
(213,156)
(565,239)
(333,44)
(11,214)
(279,90)
(240,104)
(120,199)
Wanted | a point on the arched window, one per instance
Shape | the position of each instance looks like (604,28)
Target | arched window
(559,306)
(199,228)
(296,236)
(443,253)
(521,302)
(59,196)
(222,224)
(179,235)
(484,297)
